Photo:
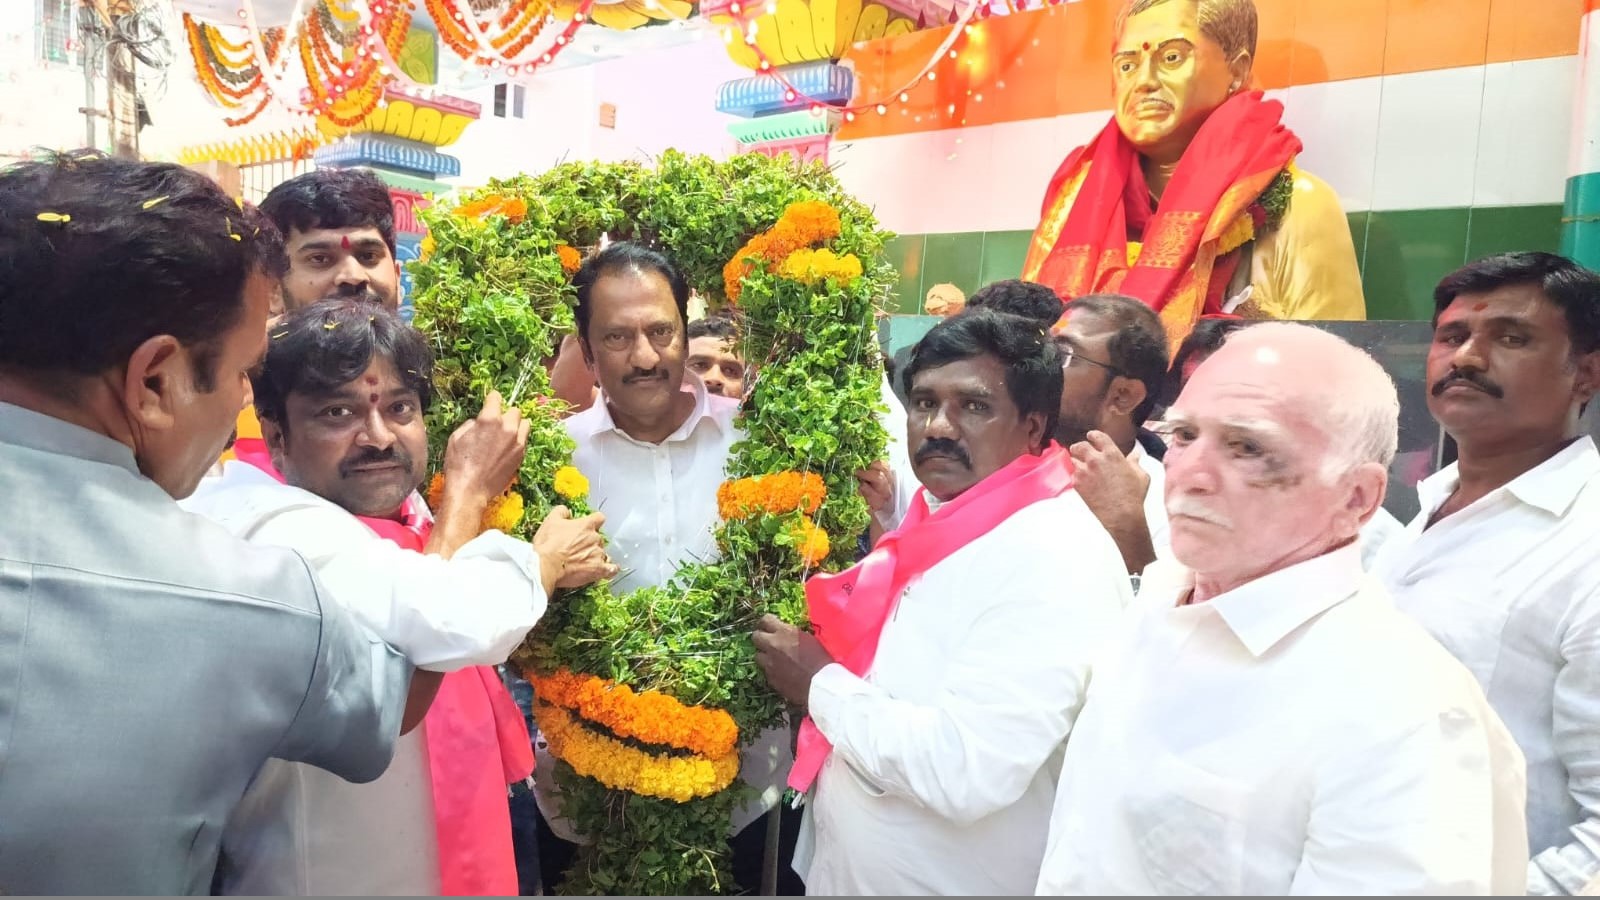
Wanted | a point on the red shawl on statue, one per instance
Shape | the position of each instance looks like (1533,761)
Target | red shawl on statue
(1099,197)
(476,737)
(848,610)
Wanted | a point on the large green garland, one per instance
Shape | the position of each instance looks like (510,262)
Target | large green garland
(493,294)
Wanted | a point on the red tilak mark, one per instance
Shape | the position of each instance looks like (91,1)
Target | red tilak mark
(372,380)
(1147,45)
(345,242)
(373,399)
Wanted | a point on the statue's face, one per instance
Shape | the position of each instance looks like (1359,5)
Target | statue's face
(1169,77)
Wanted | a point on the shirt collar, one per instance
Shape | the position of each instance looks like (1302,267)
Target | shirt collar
(1266,610)
(1551,486)
(597,418)
(47,434)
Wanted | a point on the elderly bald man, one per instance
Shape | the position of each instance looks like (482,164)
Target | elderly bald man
(1269,723)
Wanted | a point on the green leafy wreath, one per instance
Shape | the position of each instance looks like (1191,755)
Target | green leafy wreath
(637,689)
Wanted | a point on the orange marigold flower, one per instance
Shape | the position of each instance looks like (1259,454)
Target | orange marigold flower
(775,494)
(571,259)
(436,492)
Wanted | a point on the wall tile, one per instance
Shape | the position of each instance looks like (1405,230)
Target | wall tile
(1407,252)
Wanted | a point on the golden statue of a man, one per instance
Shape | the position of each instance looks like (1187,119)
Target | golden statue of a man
(1189,199)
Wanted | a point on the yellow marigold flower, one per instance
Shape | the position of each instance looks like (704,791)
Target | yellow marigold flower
(426,248)
(570,483)
(503,513)
(814,266)
(811,542)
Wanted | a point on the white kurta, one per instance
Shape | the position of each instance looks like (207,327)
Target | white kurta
(300,830)
(660,503)
(946,754)
(1511,586)
(1296,735)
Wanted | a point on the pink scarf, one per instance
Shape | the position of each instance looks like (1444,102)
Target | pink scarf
(477,743)
(849,610)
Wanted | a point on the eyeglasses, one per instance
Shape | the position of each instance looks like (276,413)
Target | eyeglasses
(1069,354)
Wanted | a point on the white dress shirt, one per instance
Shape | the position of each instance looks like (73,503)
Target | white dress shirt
(660,503)
(1511,586)
(299,830)
(1296,735)
(946,754)
(660,500)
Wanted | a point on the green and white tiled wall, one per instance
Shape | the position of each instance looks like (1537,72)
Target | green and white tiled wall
(1403,253)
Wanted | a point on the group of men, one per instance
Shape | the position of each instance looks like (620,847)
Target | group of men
(306,698)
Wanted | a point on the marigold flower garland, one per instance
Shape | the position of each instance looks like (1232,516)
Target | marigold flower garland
(651,717)
(623,768)
(640,692)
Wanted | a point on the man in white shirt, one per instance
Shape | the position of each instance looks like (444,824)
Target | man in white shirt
(948,686)
(654,448)
(1268,723)
(1502,564)
(341,397)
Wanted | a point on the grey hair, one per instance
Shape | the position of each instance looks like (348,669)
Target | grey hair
(1360,411)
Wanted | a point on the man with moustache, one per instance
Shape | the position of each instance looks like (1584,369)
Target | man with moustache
(654,447)
(1268,723)
(342,396)
(1500,564)
(948,666)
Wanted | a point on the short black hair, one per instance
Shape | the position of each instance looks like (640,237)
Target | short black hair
(326,345)
(1205,339)
(723,328)
(1033,365)
(1138,349)
(332,198)
(98,255)
(1565,283)
(620,258)
(1028,299)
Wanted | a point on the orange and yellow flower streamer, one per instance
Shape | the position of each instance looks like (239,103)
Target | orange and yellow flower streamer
(623,768)
(650,717)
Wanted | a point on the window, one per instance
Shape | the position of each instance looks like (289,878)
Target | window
(57,30)
(509,100)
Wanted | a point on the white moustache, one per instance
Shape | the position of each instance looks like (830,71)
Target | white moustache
(1193,509)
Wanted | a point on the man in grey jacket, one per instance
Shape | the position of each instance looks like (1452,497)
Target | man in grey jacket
(150,663)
